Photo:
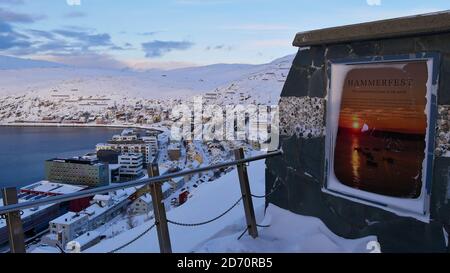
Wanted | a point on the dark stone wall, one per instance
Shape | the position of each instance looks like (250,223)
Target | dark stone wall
(300,171)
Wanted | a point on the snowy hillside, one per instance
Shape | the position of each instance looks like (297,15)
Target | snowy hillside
(19,76)
(37,94)
(208,201)
(288,232)
(259,87)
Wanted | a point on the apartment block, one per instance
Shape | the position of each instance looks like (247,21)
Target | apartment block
(77,171)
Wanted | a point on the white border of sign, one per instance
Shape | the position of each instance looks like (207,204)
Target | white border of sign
(417,208)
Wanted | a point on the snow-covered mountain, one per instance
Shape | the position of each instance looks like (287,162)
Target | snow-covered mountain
(21,76)
(34,93)
(7,62)
(261,86)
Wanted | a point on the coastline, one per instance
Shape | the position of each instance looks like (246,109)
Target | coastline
(78,129)
(87,125)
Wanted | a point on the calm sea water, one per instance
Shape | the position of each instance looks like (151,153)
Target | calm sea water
(23,150)
(382,164)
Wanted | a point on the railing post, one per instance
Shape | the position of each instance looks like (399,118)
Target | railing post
(14,222)
(246,194)
(159,211)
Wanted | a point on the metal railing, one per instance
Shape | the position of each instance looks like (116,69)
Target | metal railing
(11,210)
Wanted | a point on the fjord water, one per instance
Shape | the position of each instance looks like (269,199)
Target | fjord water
(23,150)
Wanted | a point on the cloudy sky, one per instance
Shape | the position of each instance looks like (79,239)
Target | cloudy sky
(174,33)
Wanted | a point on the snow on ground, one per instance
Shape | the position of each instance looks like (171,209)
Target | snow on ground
(260,87)
(288,232)
(210,200)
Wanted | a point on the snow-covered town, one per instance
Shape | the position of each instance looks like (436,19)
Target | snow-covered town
(148,140)
(124,157)
(243,128)
(97,98)
(105,223)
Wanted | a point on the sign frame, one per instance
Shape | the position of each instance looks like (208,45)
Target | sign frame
(418,208)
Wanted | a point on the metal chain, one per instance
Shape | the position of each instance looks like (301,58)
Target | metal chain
(274,189)
(134,240)
(60,248)
(242,234)
(246,229)
(206,222)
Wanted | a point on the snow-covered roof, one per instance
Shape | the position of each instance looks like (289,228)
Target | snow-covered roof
(127,132)
(87,237)
(114,167)
(69,218)
(162,169)
(94,210)
(51,187)
(165,187)
(101,197)
(147,198)
(174,146)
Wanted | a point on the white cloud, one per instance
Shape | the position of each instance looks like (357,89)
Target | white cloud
(374,2)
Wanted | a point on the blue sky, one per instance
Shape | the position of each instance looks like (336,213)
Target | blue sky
(173,33)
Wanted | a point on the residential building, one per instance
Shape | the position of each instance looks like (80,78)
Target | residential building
(142,205)
(108,156)
(174,151)
(126,137)
(153,144)
(125,144)
(114,173)
(102,200)
(67,227)
(72,225)
(131,165)
(210,97)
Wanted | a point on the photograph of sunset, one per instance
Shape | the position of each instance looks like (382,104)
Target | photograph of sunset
(380,143)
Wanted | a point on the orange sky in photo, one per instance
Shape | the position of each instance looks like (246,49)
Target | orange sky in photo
(386,98)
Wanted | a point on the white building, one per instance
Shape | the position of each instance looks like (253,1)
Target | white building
(125,137)
(72,225)
(132,143)
(131,165)
(210,97)
(102,200)
(67,227)
(153,144)
(142,205)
